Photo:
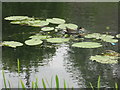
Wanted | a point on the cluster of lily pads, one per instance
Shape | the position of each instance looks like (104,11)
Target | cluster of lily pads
(59,25)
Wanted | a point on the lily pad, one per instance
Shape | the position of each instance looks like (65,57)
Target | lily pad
(47,29)
(62,26)
(56,20)
(42,37)
(72,26)
(110,40)
(41,24)
(13,44)
(105,59)
(58,40)
(16,22)
(16,18)
(87,45)
(33,42)
(69,26)
(93,35)
(118,35)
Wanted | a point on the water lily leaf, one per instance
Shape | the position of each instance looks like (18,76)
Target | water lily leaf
(56,20)
(16,22)
(33,42)
(47,29)
(72,26)
(110,40)
(42,37)
(58,40)
(118,35)
(93,35)
(105,59)
(16,18)
(87,45)
(41,24)
(62,26)
(13,44)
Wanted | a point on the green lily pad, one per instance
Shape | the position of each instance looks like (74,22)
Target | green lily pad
(93,35)
(42,37)
(58,40)
(62,26)
(110,40)
(33,42)
(69,26)
(72,26)
(118,35)
(16,18)
(47,29)
(87,45)
(105,59)
(13,44)
(56,20)
(41,24)
(16,22)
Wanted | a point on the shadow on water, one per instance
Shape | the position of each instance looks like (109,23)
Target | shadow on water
(74,63)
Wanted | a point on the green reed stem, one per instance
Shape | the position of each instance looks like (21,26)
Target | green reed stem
(5,85)
(57,82)
(98,84)
(91,85)
(44,85)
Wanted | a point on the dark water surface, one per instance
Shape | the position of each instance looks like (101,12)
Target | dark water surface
(71,64)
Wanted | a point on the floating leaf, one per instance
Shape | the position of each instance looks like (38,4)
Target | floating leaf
(41,24)
(47,28)
(40,37)
(62,26)
(93,35)
(110,40)
(13,44)
(33,42)
(118,35)
(72,26)
(16,18)
(87,45)
(15,22)
(56,20)
(57,40)
(105,59)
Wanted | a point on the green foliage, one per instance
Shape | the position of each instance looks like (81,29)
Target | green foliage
(57,81)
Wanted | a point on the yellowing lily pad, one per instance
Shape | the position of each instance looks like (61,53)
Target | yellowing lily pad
(13,44)
(105,59)
(58,40)
(42,37)
(56,20)
(16,18)
(47,29)
(33,42)
(87,45)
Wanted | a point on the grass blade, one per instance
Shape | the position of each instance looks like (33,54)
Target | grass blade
(47,83)
(22,84)
(98,84)
(116,86)
(33,84)
(9,84)
(36,83)
(44,85)
(64,85)
(18,65)
(51,81)
(57,82)
(4,79)
(91,85)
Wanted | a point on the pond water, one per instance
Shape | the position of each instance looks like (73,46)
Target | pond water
(71,64)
